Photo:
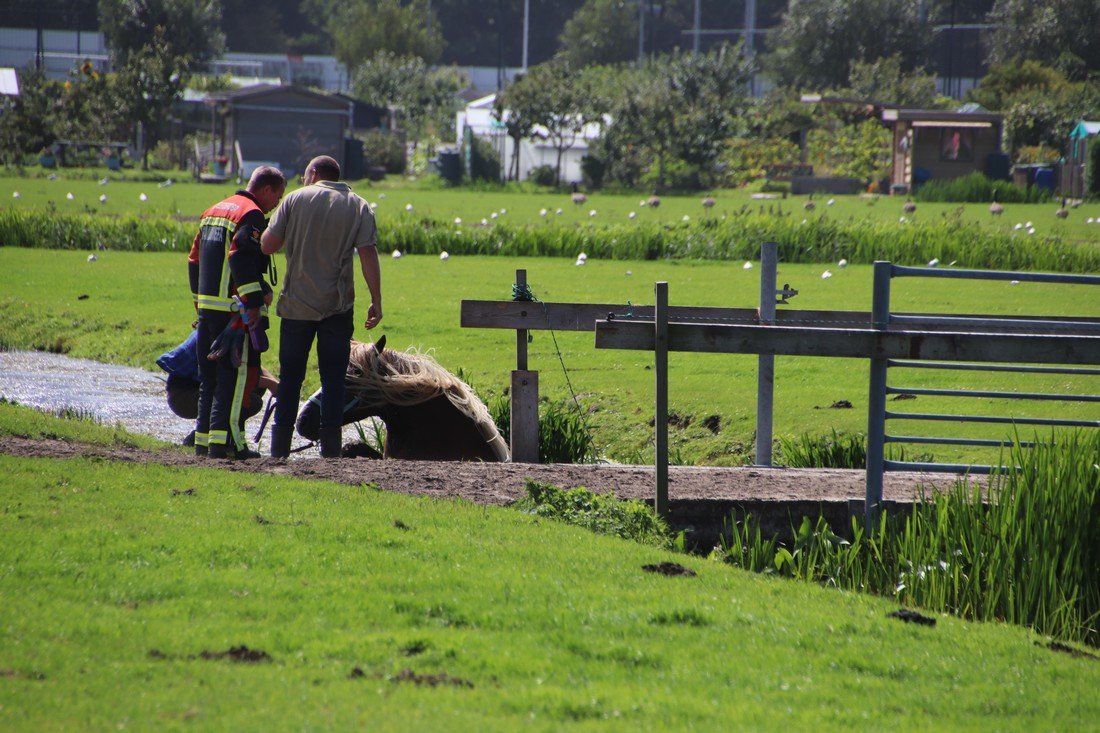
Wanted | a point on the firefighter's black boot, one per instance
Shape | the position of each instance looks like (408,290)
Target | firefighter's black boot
(280,440)
(331,442)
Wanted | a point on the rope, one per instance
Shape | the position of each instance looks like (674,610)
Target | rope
(524,294)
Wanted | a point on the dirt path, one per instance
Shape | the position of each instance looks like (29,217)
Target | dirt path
(502,483)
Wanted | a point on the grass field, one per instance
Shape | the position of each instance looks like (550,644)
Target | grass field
(394,197)
(124,586)
(137,306)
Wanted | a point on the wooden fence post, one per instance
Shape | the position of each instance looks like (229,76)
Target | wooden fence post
(524,417)
(660,417)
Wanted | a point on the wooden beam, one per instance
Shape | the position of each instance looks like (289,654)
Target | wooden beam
(854,343)
(513,315)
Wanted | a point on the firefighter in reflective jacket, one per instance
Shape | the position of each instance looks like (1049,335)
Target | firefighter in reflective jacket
(226,266)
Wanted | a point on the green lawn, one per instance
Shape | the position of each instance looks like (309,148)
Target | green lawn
(393,197)
(138,305)
(123,585)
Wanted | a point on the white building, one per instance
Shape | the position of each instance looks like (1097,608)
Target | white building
(534,151)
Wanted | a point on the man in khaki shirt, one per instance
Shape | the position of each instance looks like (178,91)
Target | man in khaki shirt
(322,225)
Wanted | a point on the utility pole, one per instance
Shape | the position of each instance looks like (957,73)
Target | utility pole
(695,25)
(526,29)
(748,45)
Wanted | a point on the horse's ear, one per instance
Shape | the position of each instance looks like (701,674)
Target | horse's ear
(380,344)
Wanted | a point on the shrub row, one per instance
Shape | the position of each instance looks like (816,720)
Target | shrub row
(734,237)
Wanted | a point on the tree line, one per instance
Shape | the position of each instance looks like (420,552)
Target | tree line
(670,118)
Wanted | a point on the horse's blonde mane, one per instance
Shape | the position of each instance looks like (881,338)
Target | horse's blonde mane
(410,378)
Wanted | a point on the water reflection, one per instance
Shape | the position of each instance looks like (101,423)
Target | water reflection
(113,394)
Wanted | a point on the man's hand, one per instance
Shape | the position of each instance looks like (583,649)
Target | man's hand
(374,315)
(252,318)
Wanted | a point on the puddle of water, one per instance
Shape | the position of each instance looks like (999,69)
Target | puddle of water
(113,394)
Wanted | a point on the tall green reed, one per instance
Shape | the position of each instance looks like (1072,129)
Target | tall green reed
(736,236)
(1023,550)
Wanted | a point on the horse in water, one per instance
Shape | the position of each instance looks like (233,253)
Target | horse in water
(430,414)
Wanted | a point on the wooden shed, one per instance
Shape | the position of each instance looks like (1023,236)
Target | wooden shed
(939,144)
(1075,173)
(284,126)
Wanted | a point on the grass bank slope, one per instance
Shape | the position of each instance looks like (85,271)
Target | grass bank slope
(144,597)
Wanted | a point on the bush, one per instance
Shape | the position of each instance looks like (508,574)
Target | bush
(602,513)
(386,149)
(543,175)
(484,160)
(1092,166)
(593,170)
(856,151)
(744,160)
(976,188)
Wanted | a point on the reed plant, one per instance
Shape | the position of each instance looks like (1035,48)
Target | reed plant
(736,236)
(1022,551)
(836,450)
(564,433)
(976,188)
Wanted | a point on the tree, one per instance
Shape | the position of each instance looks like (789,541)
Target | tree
(154,45)
(551,100)
(190,30)
(517,125)
(1058,33)
(818,40)
(1040,104)
(681,110)
(884,80)
(363,29)
(25,121)
(1005,81)
(600,32)
(425,97)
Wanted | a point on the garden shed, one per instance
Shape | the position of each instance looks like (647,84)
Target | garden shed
(940,144)
(277,125)
(1076,172)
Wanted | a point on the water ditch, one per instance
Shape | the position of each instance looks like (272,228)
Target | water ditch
(129,396)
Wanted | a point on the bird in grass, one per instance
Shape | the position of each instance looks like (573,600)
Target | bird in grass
(653,201)
(708,202)
(578,198)
(1063,212)
(809,205)
(909,206)
(104,181)
(995,208)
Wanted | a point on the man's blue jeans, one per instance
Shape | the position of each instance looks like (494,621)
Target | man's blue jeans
(333,336)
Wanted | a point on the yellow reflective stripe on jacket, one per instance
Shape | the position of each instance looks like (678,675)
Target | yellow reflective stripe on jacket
(248,288)
(214,303)
(218,221)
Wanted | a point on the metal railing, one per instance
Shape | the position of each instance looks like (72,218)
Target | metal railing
(1005,355)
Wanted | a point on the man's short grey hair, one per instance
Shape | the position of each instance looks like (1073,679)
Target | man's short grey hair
(326,168)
